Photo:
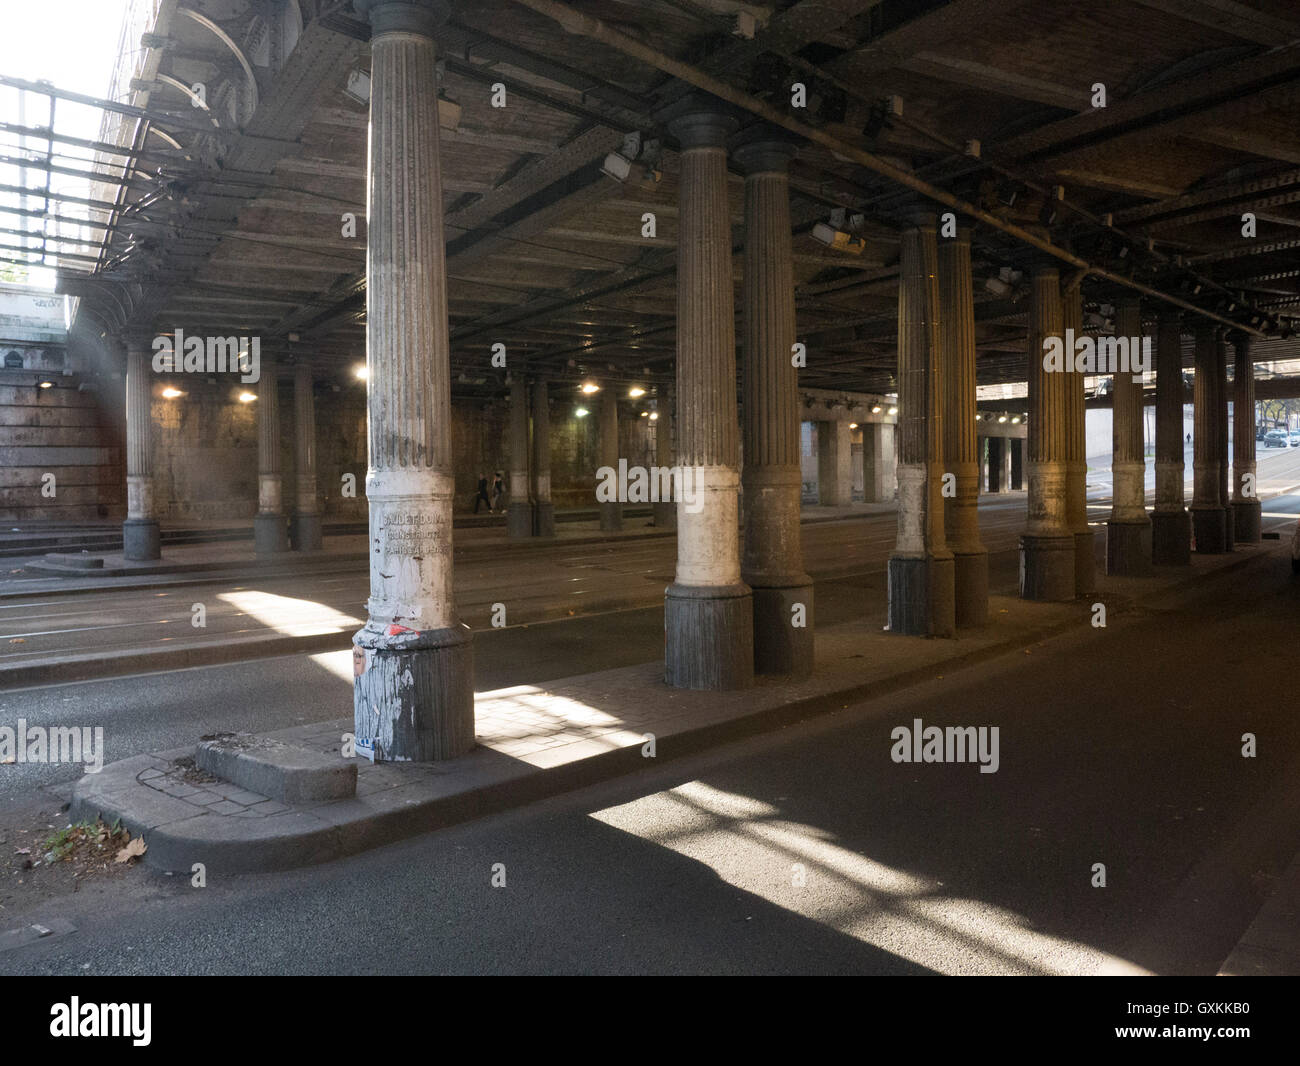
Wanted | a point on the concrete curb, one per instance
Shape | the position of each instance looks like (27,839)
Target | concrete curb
(177,836)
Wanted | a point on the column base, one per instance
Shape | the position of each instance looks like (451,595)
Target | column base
(1047,568)
(306,532)
(780,647)
(611,517)
(270,534)
(1247,520)
(1128,548)
(1171,538)
(665,515)
(519,520)
(1229,529)
(971,588)
(922,596)
(413,693)
(544,520)
(1209,526)
(709,637)
(141,539)
(1085,562)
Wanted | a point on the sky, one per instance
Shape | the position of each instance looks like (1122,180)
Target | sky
(72,43)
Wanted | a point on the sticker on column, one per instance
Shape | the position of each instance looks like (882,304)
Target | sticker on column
(360,660)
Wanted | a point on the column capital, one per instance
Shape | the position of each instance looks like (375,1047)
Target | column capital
(763,151)
(403,16)
(702,124)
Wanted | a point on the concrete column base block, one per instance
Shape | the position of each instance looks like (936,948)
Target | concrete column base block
(306,532)
(709,637)
(922,596)
(1171,538)
(665,515)
(544,520)
(270,534)
(611,517)
(1209,526)
(1047,568)
(1229,530)
(1085,562)
(519,520)
(413,692)
(141,539)
(1128,548)
(1247,520)
(971,588)
(780,647)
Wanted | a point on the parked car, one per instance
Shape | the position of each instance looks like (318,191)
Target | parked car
(1259,432)
(1276,438)
(1295,437)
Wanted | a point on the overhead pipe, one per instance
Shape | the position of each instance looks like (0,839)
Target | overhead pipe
(578,24)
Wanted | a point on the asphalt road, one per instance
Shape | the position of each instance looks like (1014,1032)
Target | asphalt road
(1120,747)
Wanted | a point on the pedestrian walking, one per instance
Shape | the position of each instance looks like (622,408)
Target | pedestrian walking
(498,491)
(482,496)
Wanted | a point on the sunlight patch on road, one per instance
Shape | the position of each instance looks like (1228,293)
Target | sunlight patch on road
(289,616)
(914,917)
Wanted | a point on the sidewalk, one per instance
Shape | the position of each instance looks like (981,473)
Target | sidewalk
(541,741)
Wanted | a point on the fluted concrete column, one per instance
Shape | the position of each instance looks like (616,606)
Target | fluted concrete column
(772,565)
(1047,546)
(1246,510)
(1171,525)
(957,352)
(1221,400)
(543,509)
(708,610)
(1128,531)
(1076,461)
(305,530)
(665,511)
(1208,516)
(921,572)
(611,512)
(834,463)
(270,526)
(413,660)
(519,512)
(879,479)
(1007,465)
(141,537)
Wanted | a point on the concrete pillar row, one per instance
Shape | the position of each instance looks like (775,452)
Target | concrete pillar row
(611,514)
(834,463)
(879,478)
(1128,531)
(141,536)
(772,565)
(1208,516)
(270,526)
(708,610)
(543,509)
(957,355)
(413,660)
(1246,509)
(1171,525)
(519,511)
(1076,454)
(665,512)
(305,531)
(1047,546)
(921,569)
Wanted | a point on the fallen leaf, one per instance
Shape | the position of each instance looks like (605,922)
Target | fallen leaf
(18,640)
(133,850)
